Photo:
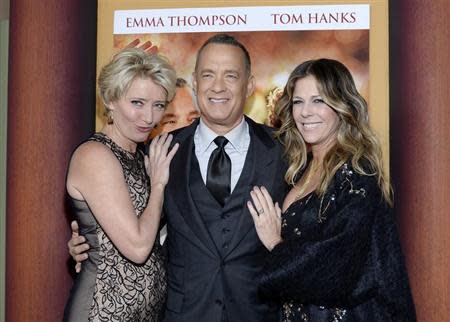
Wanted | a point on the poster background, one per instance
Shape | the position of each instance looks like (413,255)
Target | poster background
(376,91)
(274,55)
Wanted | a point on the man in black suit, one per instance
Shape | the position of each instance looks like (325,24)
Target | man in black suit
(214,252)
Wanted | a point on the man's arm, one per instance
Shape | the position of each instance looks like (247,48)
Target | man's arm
(77,246)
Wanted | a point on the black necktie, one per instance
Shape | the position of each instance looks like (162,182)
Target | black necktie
(218,178)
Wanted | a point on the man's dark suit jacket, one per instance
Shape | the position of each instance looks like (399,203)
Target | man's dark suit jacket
(205,279)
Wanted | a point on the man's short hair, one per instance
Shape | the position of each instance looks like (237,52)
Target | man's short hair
(226,39)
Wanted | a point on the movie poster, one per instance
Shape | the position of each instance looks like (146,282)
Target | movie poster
(278,38)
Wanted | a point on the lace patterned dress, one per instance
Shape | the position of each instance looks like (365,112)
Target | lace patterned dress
(340,259)
(110,287)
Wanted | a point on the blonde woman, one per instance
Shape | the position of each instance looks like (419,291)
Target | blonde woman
(116,194)
(335,254)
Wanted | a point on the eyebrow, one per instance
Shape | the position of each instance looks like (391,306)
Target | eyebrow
(169,115)
(314,96)
(207,70)
(137,98)
(145,99)
(232,71)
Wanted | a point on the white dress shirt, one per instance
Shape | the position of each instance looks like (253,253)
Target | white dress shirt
(236,148)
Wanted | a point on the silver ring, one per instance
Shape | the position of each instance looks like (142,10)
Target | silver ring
(260,211)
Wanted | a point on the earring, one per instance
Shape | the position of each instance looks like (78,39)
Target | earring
(109,117)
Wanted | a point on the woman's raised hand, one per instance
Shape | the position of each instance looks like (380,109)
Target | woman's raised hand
(157,163)
(266,216)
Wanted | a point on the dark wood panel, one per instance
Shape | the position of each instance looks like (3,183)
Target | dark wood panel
(50,109)
(420,132)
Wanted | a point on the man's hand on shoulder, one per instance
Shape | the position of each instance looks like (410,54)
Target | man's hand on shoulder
(77,246)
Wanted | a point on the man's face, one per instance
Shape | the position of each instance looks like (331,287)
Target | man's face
(179,113)
(222,86)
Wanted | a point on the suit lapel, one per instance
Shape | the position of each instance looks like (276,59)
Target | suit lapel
(180,187)
(262,148)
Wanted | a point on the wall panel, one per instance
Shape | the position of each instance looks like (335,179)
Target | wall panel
(420,147)
(50,109)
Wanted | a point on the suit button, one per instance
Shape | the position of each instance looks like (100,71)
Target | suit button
(225,230)
(225,245)
(218,302)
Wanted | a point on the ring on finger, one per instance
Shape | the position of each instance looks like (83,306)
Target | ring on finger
(260,211)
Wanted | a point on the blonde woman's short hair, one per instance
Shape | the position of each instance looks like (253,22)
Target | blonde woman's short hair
(130,63)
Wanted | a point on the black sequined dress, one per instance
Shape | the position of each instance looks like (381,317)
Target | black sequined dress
(340,259)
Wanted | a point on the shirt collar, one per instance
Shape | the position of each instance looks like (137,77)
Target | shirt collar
(236,136)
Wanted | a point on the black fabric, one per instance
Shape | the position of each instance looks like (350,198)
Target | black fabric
(196,265)
(218,179)
(221,222)
(340,259)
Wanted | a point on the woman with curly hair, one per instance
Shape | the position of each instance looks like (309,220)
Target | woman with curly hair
(334,249)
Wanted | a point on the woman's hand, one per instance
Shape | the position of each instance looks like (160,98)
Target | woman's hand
(266,216)
(157,163)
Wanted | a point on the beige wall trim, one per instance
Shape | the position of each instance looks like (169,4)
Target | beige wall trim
(4,32)
(4,10)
